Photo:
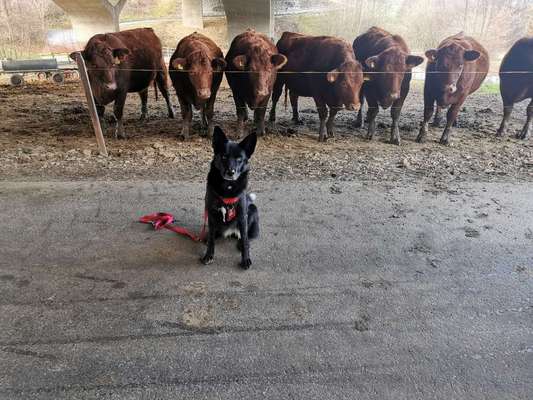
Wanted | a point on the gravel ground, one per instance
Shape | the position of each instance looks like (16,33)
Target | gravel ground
(46,133)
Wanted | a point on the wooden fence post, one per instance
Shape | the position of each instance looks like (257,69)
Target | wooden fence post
(90,103)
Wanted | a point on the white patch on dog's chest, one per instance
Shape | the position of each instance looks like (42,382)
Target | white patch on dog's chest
(234,231)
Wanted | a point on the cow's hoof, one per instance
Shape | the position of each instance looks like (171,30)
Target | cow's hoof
(207,259)
(246,264)
(143,117)
(395,141)
(444,141)
(297,121)
(322,138)
(358,124)
(500,133)
(421,138)
(182,138)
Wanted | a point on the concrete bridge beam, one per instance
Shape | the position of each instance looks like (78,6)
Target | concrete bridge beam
(89,17)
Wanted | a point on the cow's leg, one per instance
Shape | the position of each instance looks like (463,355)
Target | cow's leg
(143,94)
(429,105)
(525,130)
(186,115)
(259,118)
(330,124)
(507,111)
(322,114)
(162,86)
(450,119)
(373,110)
(359,119)
(395,113)
(276,94)
(118,110)
(438,117)
(208,113)
(242,113)
(294,105)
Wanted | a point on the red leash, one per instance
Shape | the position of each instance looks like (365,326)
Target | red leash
(166,221)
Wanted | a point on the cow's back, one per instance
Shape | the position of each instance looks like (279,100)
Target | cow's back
(197,42)
(519,58)
(244,42)
(374,41)
(312,54)
(145,58)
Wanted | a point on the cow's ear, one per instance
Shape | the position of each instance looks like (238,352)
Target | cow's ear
(412,61)
(431,55)
(471,55)
(179,63)
(248,144)
(278,60)
(371,62)
(240,62)
(218,64)
(83,54)
(219,140)
(332,75)
(120,54)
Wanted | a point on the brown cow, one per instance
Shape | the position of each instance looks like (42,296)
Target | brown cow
(337,86)
(196,72)
(387,64)
(110,59)
(253,62)
(517,87)
(455,69)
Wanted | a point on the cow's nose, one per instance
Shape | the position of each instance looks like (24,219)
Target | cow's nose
(232,171)
(262,93)
(204,94)
(111,86)
(451,88)
(353,107)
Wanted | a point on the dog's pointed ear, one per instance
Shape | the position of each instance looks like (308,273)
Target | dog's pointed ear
(248,144)
(219,140)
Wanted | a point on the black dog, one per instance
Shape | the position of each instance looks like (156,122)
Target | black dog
(230,209)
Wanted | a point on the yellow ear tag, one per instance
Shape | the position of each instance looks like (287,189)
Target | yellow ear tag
(116,61)
(366,78)
(180,67)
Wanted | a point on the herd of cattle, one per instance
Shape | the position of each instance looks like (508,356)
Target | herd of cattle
(376,68)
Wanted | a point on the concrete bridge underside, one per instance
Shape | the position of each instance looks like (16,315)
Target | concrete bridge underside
(89,17)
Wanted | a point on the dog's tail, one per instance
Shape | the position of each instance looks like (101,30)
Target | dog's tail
(252,197)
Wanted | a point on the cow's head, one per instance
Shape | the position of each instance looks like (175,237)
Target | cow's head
(346,82)
(103,59)
(387,70)
(200,69)
(262,67)
(449,63)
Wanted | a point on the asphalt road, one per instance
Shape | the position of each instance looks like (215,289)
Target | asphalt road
(356,291)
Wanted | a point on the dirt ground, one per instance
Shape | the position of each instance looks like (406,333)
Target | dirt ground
(46,133)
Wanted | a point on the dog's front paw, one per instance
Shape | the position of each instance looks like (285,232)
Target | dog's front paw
(245,264)
(207,259)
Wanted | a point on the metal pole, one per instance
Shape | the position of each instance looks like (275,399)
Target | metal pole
(90,103)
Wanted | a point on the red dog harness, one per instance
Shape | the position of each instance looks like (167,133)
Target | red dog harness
(166,220)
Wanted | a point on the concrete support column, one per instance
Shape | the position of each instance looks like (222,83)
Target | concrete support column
(244,14)
(192,13)
(89,17)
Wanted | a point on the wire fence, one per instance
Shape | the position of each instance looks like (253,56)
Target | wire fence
(280,72)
